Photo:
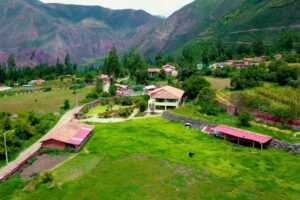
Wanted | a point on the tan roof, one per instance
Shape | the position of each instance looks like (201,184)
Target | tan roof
(167,92)
(66,132)
(153,70)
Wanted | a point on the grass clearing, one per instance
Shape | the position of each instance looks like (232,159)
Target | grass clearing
(41,102)
(148,159)
(219,83)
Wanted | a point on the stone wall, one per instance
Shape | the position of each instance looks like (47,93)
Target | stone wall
(195,123)
(295,148)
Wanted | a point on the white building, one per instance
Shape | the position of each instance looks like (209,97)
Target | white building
(165,98)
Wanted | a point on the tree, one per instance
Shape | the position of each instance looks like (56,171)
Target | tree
(245,117)
(112,90)
(135,64)
(288,40)
(111,64)
(258,47)
(206,95)
(159,60)
(66,104)
(193,85)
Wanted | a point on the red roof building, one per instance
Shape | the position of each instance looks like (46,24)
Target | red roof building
(72,135)
(242,136)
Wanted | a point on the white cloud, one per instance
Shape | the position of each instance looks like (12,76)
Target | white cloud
(155,7)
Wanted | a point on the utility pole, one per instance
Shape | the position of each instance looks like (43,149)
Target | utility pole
(6,155)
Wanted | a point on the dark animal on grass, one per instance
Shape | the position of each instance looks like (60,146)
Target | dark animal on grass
(191,154)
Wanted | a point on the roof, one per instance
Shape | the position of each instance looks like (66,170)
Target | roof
(4,88)
(71,133)
(150,87)
(121,86)
(243,134)
(153,70)
(167,92)
(169,67)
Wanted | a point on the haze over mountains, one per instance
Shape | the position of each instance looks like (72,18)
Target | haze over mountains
(36,32)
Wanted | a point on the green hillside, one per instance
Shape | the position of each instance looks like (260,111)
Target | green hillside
(233,21)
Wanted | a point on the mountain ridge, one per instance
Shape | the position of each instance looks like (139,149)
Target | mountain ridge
(48,31)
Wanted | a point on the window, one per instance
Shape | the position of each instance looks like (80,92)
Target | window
(160,100)
(160,107)
(171,100)
(170,107)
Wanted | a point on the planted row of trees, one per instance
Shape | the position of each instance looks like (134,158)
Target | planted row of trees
(11,74)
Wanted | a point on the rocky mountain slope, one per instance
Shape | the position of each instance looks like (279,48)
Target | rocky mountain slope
(231,20)
(36,32)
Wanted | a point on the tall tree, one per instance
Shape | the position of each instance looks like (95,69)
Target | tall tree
(111,64)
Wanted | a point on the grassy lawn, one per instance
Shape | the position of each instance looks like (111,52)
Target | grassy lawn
(190,111)
(148,159)
(101,109)
(41,102)
(219,83)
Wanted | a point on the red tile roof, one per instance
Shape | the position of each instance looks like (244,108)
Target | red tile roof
(167,92)
(243,134)
(71,133)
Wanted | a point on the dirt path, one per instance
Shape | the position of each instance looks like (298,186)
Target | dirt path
(11,166)
(43,163)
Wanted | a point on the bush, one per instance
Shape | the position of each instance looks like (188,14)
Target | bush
(142,105)
(210,109)
(245,117)
(47,177)
(46,89)
(126,101)
(66,105)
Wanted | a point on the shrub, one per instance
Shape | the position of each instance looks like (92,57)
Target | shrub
(47,177)
(142,105)
(66,105)
(126,101)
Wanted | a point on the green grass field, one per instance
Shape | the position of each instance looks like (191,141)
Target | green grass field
(41,102)
(148,159)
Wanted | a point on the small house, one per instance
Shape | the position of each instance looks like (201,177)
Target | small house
(153,72)
(165,98)
(103,77)
(239,136)
(36,82)
(169,69)
(69,135)
(149,88)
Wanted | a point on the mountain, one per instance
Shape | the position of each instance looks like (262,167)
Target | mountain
(36,32)
(231,20)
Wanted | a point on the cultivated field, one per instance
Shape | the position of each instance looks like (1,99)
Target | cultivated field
(41,102)
(148,159)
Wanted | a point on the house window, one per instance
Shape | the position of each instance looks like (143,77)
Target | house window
(160,107)
(171,107)
(171,100)
(160,100)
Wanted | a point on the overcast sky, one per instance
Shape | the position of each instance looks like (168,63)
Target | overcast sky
(155,7)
